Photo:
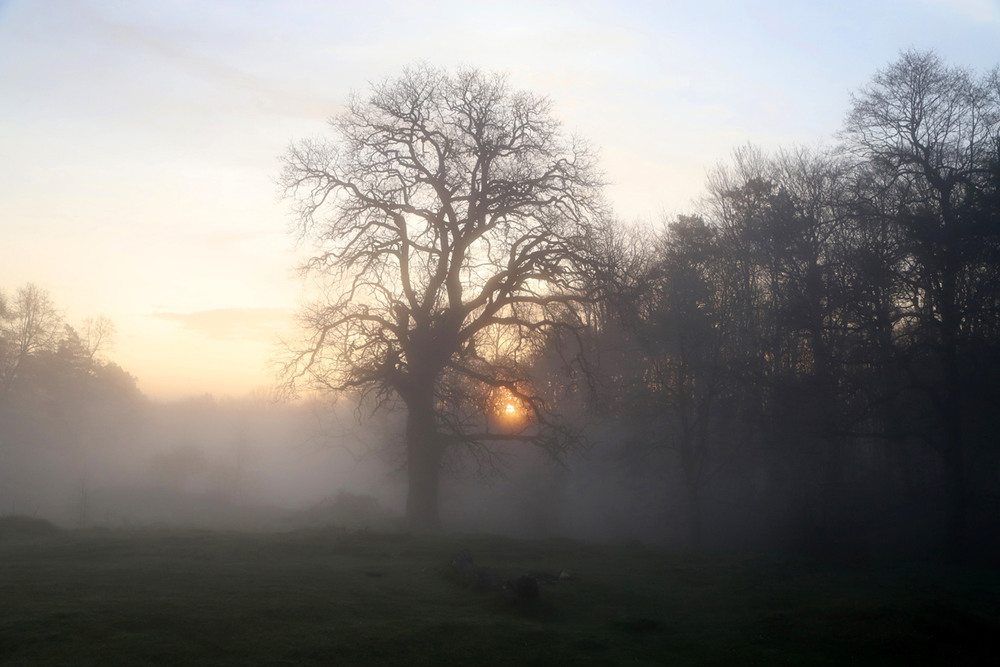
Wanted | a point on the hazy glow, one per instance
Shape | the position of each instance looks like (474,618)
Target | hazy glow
(141,138)
(507,408)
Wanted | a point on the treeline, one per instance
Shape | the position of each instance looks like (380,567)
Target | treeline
(60,399)
(811,360)
(56,387)
(819,346)
(82,446)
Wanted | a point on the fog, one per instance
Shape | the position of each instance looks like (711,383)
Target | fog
(110,457)
(256,464)
(806,362)
(235,463)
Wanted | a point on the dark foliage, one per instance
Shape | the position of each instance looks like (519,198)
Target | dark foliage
(817,353)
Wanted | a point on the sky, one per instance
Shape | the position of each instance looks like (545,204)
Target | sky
(140,140)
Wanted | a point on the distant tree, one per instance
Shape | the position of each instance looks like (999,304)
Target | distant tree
(98,336)
(450,218)
(931,133)
(177,467)
(686,373)
(29,324)
(58,400)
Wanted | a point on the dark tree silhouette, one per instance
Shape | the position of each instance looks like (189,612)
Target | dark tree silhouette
(449,217)
(29,324)
(932,132)
(686,368)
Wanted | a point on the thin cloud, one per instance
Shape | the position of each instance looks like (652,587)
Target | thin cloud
(232,323)
(269,94)
(980,11)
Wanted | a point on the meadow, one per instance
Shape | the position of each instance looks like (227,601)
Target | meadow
(346,597)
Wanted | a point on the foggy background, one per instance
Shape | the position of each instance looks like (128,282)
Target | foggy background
(774,362)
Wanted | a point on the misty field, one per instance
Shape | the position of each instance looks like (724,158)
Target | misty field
(334,597)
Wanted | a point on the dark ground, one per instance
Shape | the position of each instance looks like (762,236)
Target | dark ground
(332,597)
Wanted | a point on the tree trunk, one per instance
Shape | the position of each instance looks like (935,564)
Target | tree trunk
(957,490)
(954,454)
(691,464)
(694,515)
(952,409)
(423,455)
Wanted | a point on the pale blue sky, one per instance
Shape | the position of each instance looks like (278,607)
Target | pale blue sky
(140,139)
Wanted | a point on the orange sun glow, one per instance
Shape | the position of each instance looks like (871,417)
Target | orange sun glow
(507,407)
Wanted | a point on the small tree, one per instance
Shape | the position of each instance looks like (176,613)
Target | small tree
(29,324)
(450,219)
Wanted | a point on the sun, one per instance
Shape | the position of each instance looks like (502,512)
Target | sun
(511,412)
(506,407)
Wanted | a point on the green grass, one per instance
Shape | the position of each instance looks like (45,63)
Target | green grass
(331,597)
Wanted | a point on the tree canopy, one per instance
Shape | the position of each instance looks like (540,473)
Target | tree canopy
(450,219)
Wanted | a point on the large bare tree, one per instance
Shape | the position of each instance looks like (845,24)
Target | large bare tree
(450,219)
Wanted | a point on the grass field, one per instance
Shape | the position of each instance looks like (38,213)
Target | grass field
(331,597)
